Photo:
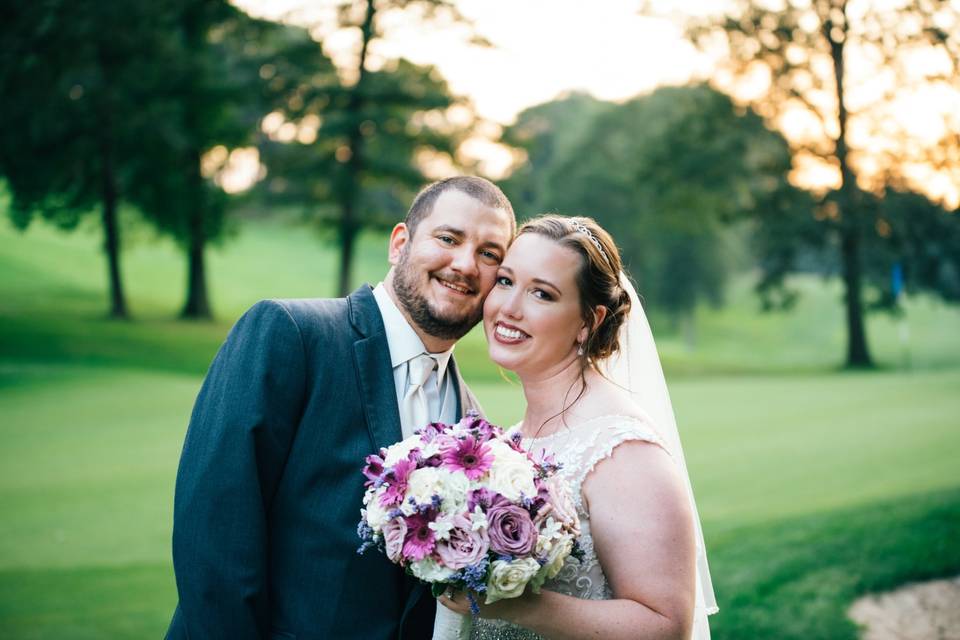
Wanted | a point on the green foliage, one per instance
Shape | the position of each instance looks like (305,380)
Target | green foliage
(276,259)
(663,173)
(364,167)
(116,103)
(804,48)
(402,112)
(77,79)
(546,133)
(923,238)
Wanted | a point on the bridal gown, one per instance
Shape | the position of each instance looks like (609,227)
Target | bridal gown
(578,449)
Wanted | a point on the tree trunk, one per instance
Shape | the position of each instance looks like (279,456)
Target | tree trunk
(348,236)
(111,234)
(197,305)
(858,354)
(354,165)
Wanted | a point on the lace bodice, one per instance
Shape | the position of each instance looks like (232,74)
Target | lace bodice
(578,449)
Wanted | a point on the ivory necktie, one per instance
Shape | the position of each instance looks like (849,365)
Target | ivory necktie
(416,404)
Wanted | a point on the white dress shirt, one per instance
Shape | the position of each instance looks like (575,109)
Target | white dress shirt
(405,344)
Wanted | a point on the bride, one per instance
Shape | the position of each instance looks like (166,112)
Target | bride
(566,320)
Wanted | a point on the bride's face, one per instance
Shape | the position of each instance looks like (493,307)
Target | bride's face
(532,317)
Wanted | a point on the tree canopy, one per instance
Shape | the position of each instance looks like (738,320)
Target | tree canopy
(835,71)
(663,173)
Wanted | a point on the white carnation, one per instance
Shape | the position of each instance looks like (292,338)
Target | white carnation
(399,451)
(424,483)
(375,515)
(430,449)
(453,492)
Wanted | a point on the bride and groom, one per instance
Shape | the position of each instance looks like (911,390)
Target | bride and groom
(269,486)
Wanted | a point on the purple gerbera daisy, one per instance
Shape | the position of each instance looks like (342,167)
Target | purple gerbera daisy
(396,480)
(373,469)
(469,455)
(419,541)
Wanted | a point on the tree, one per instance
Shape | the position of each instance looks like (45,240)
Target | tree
(806,53)
(546,133)
(74,78)
(218,86)
(374,123)
(664,173)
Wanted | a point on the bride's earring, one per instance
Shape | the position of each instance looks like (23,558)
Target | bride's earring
(580,350)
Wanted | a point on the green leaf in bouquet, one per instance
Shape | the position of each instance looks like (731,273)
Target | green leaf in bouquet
(437,589)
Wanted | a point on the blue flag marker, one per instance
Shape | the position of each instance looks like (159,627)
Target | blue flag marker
(896,280)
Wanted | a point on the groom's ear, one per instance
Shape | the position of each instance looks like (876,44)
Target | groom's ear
(399,238)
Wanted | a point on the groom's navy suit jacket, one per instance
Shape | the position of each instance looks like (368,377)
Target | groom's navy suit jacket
(269,488)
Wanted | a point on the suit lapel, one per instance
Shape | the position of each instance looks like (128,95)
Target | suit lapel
(372,358)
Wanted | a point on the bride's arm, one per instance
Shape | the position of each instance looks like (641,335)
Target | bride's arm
(643,534)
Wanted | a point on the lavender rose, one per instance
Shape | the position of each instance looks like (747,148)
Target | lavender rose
(464,546)
(511,530)
(394,533)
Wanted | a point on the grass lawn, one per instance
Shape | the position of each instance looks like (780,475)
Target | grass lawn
(792,498)
(54,300)
(814,486)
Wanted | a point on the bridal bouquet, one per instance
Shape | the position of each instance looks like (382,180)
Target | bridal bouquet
(465,506)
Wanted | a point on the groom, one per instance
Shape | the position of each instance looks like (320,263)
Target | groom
(269,488)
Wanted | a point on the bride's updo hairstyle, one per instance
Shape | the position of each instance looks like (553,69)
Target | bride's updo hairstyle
(598,278)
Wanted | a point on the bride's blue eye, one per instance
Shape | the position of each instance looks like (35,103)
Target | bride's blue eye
(503,281)
(543,295)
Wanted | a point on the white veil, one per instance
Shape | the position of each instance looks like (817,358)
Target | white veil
(637,368)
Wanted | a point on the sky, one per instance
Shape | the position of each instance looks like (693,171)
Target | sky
(545,48)
(541,48)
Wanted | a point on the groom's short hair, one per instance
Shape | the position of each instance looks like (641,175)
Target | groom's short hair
(480,189)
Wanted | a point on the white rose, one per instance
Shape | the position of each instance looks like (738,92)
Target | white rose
(511,474)
(429,570)
(507,579)
(505,454)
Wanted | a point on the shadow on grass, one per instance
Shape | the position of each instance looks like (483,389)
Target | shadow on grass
(795,579)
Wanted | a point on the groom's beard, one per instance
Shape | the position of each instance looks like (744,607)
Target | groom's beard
(431,321)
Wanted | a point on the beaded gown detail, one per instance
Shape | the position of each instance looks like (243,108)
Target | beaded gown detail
(578,449)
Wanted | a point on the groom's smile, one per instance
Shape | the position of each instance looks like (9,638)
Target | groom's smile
(458,286)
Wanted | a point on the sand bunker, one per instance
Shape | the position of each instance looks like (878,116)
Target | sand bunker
(924,611)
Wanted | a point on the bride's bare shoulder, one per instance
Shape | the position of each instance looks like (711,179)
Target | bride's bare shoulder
(606,398)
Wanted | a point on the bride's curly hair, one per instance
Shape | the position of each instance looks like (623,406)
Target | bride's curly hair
(598,279)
